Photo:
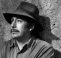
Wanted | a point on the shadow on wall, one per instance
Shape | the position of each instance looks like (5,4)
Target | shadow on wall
(47,34)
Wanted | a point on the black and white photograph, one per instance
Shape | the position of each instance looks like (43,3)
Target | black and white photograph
(30,28)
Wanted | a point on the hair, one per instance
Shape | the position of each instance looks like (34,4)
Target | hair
(37,31)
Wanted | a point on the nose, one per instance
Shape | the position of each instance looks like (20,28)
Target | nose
(13,24)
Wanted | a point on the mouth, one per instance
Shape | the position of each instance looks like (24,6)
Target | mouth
(14,31)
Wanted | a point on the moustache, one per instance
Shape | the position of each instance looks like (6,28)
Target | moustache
(14,30)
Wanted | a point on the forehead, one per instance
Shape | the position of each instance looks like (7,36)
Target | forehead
(16,18)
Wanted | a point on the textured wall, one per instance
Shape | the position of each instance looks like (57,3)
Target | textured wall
(50,8)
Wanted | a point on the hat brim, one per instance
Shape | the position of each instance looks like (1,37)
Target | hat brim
(8,17)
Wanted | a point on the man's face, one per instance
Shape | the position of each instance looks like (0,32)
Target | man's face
(18,27)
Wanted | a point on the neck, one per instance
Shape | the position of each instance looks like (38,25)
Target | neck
(21,45)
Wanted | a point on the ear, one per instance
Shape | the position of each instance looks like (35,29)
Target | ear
(31,28)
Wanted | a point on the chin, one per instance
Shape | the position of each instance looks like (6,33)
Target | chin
(15,35)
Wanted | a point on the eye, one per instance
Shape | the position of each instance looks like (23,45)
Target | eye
(19,20)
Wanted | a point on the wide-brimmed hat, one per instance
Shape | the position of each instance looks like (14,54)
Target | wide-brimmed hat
(26,11)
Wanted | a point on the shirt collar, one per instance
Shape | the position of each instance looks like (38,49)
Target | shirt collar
(26,46)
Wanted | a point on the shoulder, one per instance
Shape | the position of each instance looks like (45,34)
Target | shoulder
(44,49)
(43,43)
(5,49)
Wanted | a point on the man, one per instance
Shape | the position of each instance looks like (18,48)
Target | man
(25,28)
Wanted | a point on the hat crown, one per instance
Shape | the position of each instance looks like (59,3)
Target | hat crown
(28,8)
(24,9)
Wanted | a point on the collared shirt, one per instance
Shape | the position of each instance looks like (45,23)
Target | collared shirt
(35,49)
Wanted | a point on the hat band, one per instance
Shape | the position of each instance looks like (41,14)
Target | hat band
(25,18)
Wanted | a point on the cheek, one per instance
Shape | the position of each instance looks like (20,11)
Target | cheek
(21,27)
